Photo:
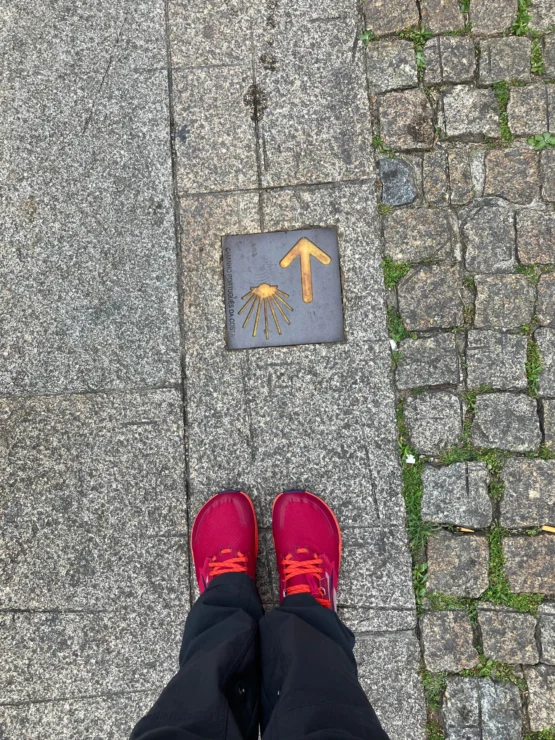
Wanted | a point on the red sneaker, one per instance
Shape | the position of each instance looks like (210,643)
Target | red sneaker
(307,540)
(225,537)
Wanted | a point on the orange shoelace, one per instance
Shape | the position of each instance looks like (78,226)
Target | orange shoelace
(294,568)
(231,565)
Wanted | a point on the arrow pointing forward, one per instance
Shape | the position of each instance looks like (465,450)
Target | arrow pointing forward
(305,249)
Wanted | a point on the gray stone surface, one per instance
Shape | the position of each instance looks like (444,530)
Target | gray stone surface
(549,55)
(506,421)
(547,633)
(434,421)
(503,301)
(541,697)
(367,619)
(86,193)
(461,709)
(508,636)
(536,236)
(460,177)
(447,641)
(458,59)
(387,661)
(504,59)
(480,709)
(398,181)
(430,298)
(457,494)
(529,564)
(406,120)
(418,234)
(488,233)
(470,114)
(390,65)
(545,305)
(549,422)
(441,15)
(433,74)
(435,178)
(457,564)
(548,173)
(388,16)
(529,495)
(428,361)
(496,359)
(492,16)
(527,110)
(542,15)
(126,649)
(512,174)
(545,339)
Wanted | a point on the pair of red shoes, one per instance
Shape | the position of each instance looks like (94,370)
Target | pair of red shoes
(307,541)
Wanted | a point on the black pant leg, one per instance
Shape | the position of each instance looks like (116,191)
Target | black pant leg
(310,688)
(215,694)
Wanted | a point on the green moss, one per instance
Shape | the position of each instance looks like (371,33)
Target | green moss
(418,36)
(434,687)
(469,283)
(394,271)
(367,36)
(434,731)
(489,668)
(469,315)
(384,210)
(395,358)
(533,367)
(536,58)
(543,735)
(464,5)
(530,271)
(396,328)
(520,25)
(379,146)
(501,90)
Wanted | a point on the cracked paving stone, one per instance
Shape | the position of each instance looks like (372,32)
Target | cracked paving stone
(506,421)
(470,114)
(545,306)
(441,15)
(512,174)
(545,339)
(447,641)
(389,16)
(430,298)
(406,120)
(508,636)
(418,234)
(460,177)
(503,301)
(536,236)
(488,233)
(496,359)
(492,16)
(449,60)
(398,181)
(435,179)
(434,421)
(529,493)
(527,110)
(457,494)
(457,564)
(428,361)
(547,633)
(548,173)
(529,564)
(542,15)
(504,59)
(541,696)
(390,65)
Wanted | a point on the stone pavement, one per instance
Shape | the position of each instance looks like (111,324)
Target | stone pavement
(135,136)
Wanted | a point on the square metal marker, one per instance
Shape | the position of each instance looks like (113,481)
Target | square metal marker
(282,288)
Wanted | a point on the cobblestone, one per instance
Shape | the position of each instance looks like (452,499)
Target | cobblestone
(406,120)
(435,178)
(449,60)
(529,493)
(428,361)
(542,15)
(504,59)
(430,298)
(489,237)
(549,423)
(458,564)
(398,181)
(541,701)
(506,421)
(536,236)
(447,641)
(390,65)
(388,16)
(470,114)
(418,234)
(434,421)
(512,174)
(546,344)
(492,16)
(549,56)
(508,636)
(548,173)
(441,15)
(529,564)
(547,633)
(503,301)
(460,177)
(527,110)
(457,494)
(545,306)
(496,359)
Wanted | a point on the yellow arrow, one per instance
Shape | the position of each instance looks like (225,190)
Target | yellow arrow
(304,249)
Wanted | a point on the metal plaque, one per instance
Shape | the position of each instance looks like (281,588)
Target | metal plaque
(282,288)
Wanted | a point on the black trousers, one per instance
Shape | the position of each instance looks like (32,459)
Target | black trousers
(292,670)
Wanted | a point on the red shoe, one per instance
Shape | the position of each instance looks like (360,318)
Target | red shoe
(307,540)
(225,537)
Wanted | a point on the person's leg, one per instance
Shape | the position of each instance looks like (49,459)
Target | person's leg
(215,694)
(310,688)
